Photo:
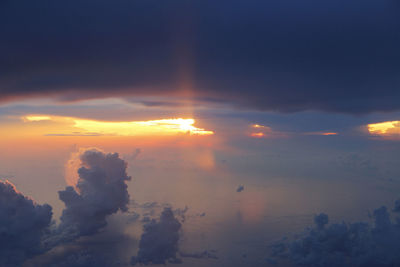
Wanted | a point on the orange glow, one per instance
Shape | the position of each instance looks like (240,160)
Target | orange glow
(386,128)
(329,133)
(258,126)
(86,127)
(257,135)
(321,133)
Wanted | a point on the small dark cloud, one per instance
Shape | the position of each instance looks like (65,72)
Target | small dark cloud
(240,188)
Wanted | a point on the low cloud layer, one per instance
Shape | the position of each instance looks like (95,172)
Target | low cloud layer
(23,224)
(345,244)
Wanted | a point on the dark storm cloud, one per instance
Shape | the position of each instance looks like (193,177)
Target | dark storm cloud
(345,244)
(288,55)
(23,224)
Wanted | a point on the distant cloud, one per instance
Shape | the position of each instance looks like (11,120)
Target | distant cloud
(345,244)
(134,154)
(159,241)
(240,188)
(206,254)
(23,224)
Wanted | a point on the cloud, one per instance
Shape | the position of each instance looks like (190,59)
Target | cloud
(159,241)
(100,191)
(134,154)
(345,244)
(27,235)
(266,55)
(23,224)
(240,188)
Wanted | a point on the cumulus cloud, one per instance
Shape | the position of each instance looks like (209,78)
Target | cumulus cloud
(100,191)
(81,239)
(345,244)
(22,226)
(159,241)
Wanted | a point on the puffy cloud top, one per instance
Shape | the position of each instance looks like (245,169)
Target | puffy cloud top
(101,190)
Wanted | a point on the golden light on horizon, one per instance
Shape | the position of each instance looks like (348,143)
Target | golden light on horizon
(329,133)
(260,131)
(385,129)
(258,126)
(89,127)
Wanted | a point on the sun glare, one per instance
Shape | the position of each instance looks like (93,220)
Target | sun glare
(125,128)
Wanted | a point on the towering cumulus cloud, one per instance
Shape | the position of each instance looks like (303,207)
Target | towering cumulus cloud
(356,244)
(22,225)
(159,242)
(100,191)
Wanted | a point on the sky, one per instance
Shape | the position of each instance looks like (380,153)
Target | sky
(199,133)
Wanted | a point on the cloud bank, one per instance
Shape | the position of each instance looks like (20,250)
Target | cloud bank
(345,244)
(269,55)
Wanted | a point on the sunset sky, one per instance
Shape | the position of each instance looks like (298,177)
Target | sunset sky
(237,125)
